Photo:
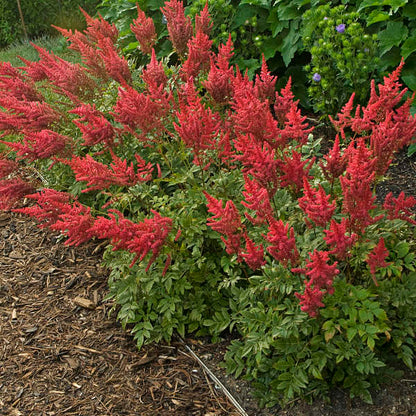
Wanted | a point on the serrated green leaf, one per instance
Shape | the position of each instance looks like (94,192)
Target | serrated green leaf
(377,16)
(290,43)
(351,332)
(394,34)
(409,46)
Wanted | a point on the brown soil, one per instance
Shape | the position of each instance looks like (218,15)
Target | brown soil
(61,353)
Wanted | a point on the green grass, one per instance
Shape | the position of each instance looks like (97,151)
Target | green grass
(24,49)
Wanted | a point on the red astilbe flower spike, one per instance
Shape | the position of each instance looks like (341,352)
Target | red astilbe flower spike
(199,55)
(258,161)
(284,102)
(226,221)
(294,170)
(50,204)
(252,116)
(16,84)
(12,191)
(99,176)
(144,30)
(315,204)
(321,276)
(144,111)
(377,259)
(295,128)
(40,145)
(87,48)
(335,163)
(265,84)
(339,239)
(219,83)
(283,247)
(7,166)
(98,28)
(253,255)
(70,79)
(76,223)
(116,65)
(357,185)
(179,27)
(26,115)
(203,21)
(97,129)
(257,199)
(198,127)
(154,74)
(400,207)
(140,239)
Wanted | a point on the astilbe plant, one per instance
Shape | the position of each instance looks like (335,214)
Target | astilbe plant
(215,212)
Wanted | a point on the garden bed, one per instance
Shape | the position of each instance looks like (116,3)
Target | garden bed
(62,354)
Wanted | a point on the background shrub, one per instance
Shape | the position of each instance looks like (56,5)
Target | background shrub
(39,15)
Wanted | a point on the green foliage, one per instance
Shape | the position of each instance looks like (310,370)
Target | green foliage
(366,324)
(345,59)
(39,15)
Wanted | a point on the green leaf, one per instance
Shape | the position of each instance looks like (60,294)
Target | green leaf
(409,46)
(290,43)
(393,35)
(377,16)
(402,249)
(370,3)
(351,332)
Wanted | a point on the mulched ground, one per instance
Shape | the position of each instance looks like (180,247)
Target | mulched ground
(61,354)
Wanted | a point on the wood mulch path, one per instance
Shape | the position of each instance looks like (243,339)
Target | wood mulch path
(60,353)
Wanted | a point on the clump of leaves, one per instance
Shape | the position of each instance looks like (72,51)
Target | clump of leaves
(218,210)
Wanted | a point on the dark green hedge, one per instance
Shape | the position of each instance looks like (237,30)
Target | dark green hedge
(39,15)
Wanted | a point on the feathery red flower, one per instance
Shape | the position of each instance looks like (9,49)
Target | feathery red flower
(99,176)
(116,66)
(39,145)
(294,170)
(148,236)
(141,110)
(321,276)
(97,129)
(154,74)
(335,163)
(179,27)
(50,204)
(7,166)
(198,127)
(283,247)
(400,207)
(254,255)
(26,115)
(315,204)
(199,55)
(203,21)
(339,239)
(16,84)
(12,191)
(76,223)
(377,259)
(219,83)
(144,30)
(265,84)
(226,221)
(257,199)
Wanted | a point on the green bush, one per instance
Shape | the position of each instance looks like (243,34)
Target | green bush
(39,15)
(219,210)
(282,31)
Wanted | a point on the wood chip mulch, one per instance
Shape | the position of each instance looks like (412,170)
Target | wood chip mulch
(60,352)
